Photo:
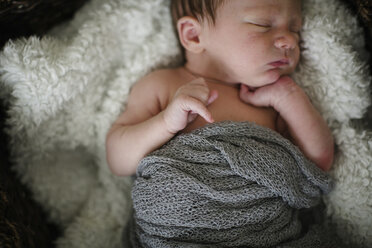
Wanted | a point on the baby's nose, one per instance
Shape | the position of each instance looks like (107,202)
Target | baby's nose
(286,41)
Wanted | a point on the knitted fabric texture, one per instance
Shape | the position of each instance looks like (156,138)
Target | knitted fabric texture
(227,184)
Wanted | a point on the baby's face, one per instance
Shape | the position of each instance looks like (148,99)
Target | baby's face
(255,41)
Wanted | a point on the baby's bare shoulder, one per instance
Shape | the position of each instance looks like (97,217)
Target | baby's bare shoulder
(161,79)
(158,86)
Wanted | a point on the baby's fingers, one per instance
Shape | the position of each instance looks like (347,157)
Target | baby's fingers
(194,106)
(260,97)
(212,97)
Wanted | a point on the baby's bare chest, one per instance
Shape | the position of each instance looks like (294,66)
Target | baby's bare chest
(228,106)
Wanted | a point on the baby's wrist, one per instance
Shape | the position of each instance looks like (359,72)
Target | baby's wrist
(167,124)
(288,93)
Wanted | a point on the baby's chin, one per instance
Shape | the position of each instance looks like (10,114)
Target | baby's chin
(261,80)
(273,75)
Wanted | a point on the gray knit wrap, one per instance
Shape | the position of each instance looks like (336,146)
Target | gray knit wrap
(227,184)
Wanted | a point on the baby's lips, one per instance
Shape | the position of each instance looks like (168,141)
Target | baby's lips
(280,63)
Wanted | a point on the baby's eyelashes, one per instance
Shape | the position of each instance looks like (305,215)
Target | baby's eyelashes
(263,25)
(259,26)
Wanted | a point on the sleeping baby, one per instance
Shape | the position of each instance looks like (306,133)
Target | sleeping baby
(233,87)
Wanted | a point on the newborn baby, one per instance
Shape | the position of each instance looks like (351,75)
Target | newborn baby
(238,58)
(238,181)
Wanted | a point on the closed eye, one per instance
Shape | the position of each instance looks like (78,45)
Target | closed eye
(262,25)
(296,32)
(296,27)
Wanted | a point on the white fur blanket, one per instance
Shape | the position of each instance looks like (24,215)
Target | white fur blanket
(65,90)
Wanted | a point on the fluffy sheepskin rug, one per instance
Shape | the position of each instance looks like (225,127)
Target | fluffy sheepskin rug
(65,90)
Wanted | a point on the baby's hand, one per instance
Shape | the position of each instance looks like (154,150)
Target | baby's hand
(275,95)
(189,101)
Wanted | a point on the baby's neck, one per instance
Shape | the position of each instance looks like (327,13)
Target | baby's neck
(207,78)
(210,75)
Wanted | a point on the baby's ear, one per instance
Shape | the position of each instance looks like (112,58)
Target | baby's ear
(189,30)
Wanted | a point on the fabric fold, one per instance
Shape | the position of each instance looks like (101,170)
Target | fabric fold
(227,184)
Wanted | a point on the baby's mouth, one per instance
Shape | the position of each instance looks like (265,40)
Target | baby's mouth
(280,63)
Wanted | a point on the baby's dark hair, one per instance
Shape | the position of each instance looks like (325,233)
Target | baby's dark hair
(199,9)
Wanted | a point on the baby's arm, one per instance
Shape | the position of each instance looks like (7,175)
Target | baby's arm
(147,123)
(306,127)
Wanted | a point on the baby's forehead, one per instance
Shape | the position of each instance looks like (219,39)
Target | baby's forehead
(262,8)
(262,5)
